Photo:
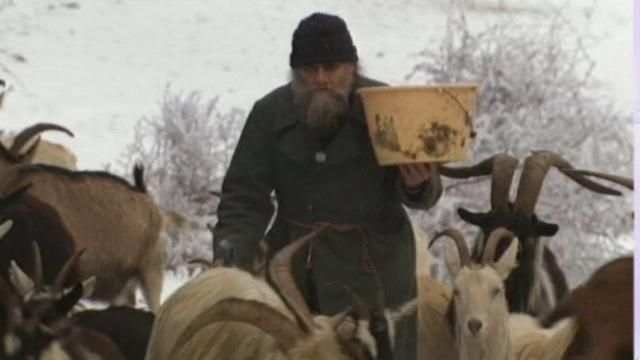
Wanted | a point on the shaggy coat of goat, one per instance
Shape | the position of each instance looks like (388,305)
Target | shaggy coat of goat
(27,219)
(44,152)
(33,325)
(538,282)
(128,328)
(479,316)
(603,307)
(228,314)
(435,339)
(117,223)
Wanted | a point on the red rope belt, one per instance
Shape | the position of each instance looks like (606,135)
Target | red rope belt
(367,263)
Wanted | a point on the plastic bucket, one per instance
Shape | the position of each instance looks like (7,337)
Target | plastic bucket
(415,124)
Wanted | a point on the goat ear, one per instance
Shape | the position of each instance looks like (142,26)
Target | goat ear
(21,281)
(507,261)
(546,229)
(477,219)
(451,258)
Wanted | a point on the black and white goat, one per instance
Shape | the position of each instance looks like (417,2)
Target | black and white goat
(538,282)
(33,324)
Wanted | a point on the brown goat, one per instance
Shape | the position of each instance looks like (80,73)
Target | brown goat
(117,223)
(30,220)
(603,307)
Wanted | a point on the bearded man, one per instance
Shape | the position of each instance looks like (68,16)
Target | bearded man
(307,142)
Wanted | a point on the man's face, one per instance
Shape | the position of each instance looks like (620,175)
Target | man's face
(321,92)
(332,76)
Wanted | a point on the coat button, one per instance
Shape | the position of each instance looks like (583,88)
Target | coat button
(309,207)
(320,157)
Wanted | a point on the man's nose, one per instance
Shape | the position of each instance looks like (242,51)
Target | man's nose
(321,77)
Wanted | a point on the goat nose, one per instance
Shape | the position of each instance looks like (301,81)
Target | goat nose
(474,326)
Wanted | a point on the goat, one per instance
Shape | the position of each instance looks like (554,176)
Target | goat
(128,328)
(26,219)
(25,337)
(228,313)
(117,223)
(435,340)
(603,307)
(33,325)
(41,151)
(479,315)
(538,282)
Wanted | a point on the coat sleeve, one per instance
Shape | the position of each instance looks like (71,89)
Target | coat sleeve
(425,197)
(245,206)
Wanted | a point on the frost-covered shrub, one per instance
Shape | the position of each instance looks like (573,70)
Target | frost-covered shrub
(536,91)
(186,149)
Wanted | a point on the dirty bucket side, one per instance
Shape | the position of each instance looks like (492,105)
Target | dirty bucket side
(420,124)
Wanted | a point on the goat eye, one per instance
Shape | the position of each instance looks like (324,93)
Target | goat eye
(456,293)
(495,292)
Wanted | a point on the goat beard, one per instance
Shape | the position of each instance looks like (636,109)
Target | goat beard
(322,109)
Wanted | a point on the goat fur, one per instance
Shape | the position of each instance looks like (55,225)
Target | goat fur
(117,223)
(230,340)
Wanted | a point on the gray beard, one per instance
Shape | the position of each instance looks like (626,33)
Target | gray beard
(321,110)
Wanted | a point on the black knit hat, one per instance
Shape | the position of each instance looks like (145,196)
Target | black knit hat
(321,38)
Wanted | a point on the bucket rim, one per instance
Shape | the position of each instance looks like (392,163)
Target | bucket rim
(399,88)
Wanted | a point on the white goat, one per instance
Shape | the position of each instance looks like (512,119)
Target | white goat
(228,314)
(483,327)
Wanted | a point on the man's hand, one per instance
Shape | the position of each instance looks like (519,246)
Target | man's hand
(414,175)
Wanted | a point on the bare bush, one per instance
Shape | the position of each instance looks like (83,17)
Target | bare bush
(536,91)
(186,149)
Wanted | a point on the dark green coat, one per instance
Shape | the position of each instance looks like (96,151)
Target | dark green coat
(348,187)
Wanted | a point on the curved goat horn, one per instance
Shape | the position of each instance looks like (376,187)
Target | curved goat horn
(280,272)
(620,180)
(37,266)
(27,134)
(492,242)
(5,227)
(501,167)
(58,284)
(458,238)
(535,169)
(251,312)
